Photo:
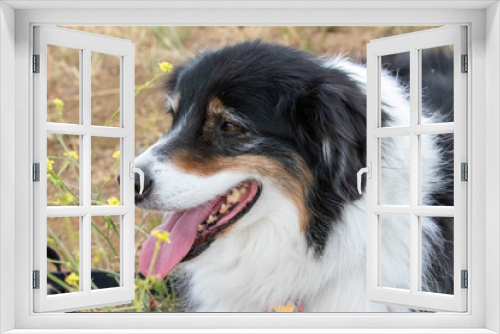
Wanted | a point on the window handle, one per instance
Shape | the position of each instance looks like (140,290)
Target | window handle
(368,171)
(139,171)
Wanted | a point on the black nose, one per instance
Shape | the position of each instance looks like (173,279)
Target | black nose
(148,182)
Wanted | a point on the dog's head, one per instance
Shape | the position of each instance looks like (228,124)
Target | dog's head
(247,119)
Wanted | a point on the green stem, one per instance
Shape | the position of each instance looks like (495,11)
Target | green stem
(73,162)
(61,283)
(157,248)
(143,231)
(68,255)
(71,233)
(105,237)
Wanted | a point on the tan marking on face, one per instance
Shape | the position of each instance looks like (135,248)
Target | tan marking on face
(293,187)
(215,105)
(216,114)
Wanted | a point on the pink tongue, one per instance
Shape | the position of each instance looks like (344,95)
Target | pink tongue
(182,226)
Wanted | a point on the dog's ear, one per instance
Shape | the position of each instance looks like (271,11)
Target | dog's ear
(331,122)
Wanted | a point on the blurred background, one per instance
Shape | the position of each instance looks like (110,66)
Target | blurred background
(157,50)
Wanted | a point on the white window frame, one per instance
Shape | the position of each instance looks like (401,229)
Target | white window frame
(85,43)
(483,21)
(414,43)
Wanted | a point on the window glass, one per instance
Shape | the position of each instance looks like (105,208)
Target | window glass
(63,84)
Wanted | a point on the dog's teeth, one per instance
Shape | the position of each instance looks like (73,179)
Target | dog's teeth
(234,197)
(223,208)
(246,184)
(211,219)
(201,228)
(243,191)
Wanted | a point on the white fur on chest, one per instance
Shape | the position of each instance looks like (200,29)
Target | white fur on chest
(268,264)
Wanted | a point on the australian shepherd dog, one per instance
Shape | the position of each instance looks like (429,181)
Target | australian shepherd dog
(258,178)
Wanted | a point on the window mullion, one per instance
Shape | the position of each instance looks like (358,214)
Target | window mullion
(414,168)
(85,161)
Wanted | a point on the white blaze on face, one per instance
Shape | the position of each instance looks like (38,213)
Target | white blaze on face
(174,189)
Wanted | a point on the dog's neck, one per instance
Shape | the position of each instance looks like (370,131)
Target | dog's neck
(264,261)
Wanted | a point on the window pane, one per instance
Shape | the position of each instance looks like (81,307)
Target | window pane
(395,170)
(395,77)
(105,252)
(394,251)
(63,84)
(437,254)
(63,170)
(105,170)
(63,255)
(437,169)
(105,89)
(437,84)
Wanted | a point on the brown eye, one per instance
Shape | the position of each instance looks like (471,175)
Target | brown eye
(230,127)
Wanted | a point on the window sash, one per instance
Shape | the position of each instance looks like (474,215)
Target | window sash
(86,43)
(413,42)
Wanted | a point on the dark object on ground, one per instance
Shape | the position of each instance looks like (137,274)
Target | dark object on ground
(101,279)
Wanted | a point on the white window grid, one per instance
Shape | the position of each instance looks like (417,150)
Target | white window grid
(414,43)
(86,43)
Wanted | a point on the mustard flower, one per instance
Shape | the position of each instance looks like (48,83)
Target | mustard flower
(49,164)
(289,307)
(72,279)
(166,67)
(58,103)
(113,201)
(116,155)
(162,236)
(100,254)
(65,199)
(71,154)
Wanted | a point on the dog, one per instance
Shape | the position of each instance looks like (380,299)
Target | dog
(258,175)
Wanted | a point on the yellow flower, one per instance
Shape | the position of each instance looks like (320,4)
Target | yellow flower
(166,67)
(162,236)
(106,179)
(72,279)
(116,155)
(58,103)
(49,164)
(99,254)
(72,154)
(59,108)
(113,201)
(65,199)
(289,307)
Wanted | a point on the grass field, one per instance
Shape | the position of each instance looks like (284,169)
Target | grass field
(153,45)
